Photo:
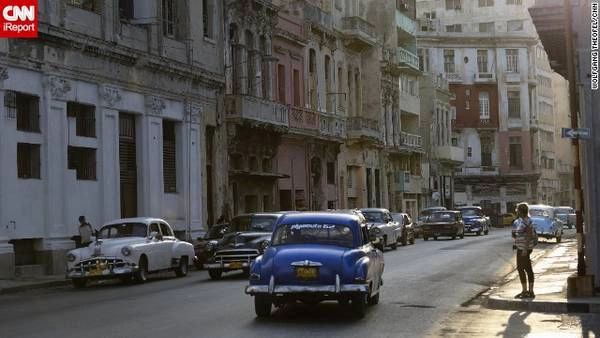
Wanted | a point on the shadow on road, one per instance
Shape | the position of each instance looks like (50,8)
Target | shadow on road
(516,326)
(322,314)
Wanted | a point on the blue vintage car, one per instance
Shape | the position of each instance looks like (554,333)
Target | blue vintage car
(475,221)
(545,223)
(315,257)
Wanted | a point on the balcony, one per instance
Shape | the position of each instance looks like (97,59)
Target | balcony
(360,127)
(512,77)
(410,103)
(406,24)
(400,60)
(332,126)
(318,18)
(359,33)
(256,110)
(411,140)
(485,78)
(454,77)
(304,119)
(451,154)
(478,171)
(477,124)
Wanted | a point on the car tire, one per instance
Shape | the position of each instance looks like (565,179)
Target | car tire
(141,275)
(79,283)
(425,238)
(262,305)
(359,305)
(215,273)
(395,245)
(182,269)
(478,233)
(374,300)
(462,235)
(558,239)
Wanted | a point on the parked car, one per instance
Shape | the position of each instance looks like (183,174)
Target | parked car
(545,223)
(444,223)
(212,236)
(423,215)
(508,219)
(131,247)
(316,257)
(406,227)
(382,225)
(475,221)
(566,215)
(248,237)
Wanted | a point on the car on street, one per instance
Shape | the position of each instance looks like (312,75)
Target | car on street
(508,219)
(316,257)
(423,215)
(475,221)
(130,247)
(545,223)
(406,227)
(444,223)
(382,225)
(248,237)
(566,215)
(212,236)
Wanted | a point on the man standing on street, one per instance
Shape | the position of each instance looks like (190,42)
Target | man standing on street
(85,232)
(524,242)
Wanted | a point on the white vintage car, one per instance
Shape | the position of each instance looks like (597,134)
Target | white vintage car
(130,248)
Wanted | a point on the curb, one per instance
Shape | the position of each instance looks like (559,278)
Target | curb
(575,306)
(20,288)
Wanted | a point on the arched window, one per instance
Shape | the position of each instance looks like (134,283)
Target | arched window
(312,78)
(250,63)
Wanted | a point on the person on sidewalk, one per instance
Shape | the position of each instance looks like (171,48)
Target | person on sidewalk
(524,233)
(85,232)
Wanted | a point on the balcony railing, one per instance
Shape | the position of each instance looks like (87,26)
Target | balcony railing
(317,17)
(332,125)
(363,127)
(400,60)
(410,103)
(360,32)
(454,77)
(485,77)
(411,140)
(405,23)
(303,118)
(256,109)
(449,153)
(479,124)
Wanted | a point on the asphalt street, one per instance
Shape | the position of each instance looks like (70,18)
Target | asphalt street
(423,284)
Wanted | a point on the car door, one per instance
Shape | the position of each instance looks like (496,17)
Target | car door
(152,247)
(375,268)
(389,228)
(168,244)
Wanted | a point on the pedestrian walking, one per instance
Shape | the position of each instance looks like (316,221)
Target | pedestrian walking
(85,232)
(525,239)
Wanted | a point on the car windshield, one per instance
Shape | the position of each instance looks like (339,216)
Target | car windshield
(314,233)
(471,212)
(374,216)
(123,230)
(539,213)
(441,216)
(253,223)
(563,211)
(397,218)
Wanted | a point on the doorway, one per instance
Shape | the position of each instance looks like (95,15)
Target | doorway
(128,165)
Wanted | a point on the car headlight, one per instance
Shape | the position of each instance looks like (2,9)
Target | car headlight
(71,257)
(126,251)
(376,231)
(264,245)
(209,247)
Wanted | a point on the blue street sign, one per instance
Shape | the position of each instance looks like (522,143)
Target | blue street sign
(580,133)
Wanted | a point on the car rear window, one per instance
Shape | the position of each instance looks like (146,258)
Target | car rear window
(373,216)
(442,217)
(314,233)
(471,212)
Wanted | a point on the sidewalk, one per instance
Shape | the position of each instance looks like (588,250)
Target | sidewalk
(551,273)
(23,284)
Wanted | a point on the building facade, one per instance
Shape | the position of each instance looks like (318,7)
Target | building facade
(110,113)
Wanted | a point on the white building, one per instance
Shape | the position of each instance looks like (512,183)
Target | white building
(107,114)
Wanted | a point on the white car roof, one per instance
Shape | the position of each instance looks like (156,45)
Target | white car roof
(145,220)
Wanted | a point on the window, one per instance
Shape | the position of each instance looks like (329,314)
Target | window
(455,142)
(85,118)
(83,161)
(469,152)
(486,27)
(453,4)
(482,61)
(281,83)
(514,25)
(449,61)
(350,182)
(515,160)
(454,28)
(166,230)
(126,10)
(514,104)
(88,5)
(28,160)
(484,105)
(330,173)
(169,157)
(207,18)
(486,151)
(423,59)
(26,108)
(168,17)
(312,78)
(486,3)
(512,60)
(514,2)
(297,88)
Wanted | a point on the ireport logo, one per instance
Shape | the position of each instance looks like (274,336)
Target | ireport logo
(18,19)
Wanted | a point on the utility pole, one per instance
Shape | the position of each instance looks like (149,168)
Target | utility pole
(574,105)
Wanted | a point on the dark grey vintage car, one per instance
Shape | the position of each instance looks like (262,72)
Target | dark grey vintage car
(248,238)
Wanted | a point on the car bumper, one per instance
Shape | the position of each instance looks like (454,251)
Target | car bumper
(228,265)
(116,272)
(546,234)
(473,228)
(306,289)
(440,232)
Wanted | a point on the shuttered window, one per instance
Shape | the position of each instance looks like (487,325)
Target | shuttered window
(169,157)
(85,118)
(83,161)
(28,160)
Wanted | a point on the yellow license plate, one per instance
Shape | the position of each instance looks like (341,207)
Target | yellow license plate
(235,265)
(307,273)
(96,272)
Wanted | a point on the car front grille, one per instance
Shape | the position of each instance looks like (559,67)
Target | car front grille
(236,255)
(99,263)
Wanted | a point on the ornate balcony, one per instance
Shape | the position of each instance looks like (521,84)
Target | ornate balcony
(477,124)
(358,32)
(304,119)
(411,140)
(454,77)
(256,110)
(332,126)
(400,60)
(451,154)
(360,127)
(318,18)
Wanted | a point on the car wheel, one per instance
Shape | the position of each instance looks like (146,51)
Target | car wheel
(141,275)
(478,233)
(404,239)
(182,269)
(462,235)
(374,300)
(359,305)
(79,283)
(215,273)
(262,306)
(425,238)
(558,239)
(395,245)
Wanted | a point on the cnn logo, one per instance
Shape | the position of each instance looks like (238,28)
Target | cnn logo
(19,19)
